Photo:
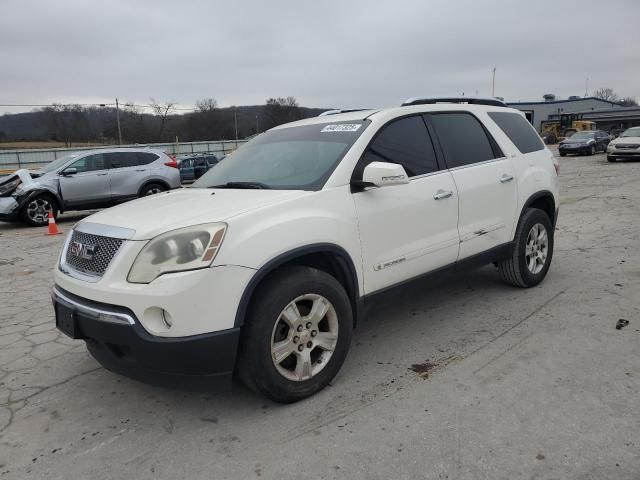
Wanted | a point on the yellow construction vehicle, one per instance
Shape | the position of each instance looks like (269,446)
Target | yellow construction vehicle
(554,131)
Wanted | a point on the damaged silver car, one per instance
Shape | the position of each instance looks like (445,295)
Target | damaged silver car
(84,181)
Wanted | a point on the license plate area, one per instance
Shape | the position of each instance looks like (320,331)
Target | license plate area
(66,320)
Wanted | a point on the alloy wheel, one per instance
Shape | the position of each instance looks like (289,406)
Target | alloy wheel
(38,210)
(537,248)
(304,337)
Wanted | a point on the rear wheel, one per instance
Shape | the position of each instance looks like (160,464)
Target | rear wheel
(152,189)
(36,211)
(532,251)
(296,335)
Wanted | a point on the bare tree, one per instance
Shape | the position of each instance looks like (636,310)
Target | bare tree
(206,105)
(68,122)
(606,94)
(629,102)
(162,111)
(281,110)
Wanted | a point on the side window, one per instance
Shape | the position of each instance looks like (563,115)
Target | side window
(200,162)
(519,131)
(146,158)
(462,138)
(406,142)
(124,159)
(90,163)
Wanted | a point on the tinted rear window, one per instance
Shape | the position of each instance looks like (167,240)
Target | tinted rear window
(519,131)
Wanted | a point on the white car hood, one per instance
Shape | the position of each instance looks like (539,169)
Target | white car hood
(156,214)
(626,140)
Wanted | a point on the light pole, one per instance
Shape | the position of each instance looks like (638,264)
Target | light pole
(118,122)
(493,82)
(235,122)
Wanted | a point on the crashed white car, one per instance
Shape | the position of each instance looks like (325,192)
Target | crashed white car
(84,181)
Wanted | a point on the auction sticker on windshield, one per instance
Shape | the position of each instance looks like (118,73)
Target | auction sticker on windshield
(343,127)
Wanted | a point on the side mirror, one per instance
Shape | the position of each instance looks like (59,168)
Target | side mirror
(383,174)
(69,171)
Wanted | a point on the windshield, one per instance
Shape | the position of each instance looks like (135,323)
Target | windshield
(632,132)
(582,135)
(294,158)
(50,167)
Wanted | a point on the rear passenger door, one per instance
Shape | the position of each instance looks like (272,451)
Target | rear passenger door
(406,230)
(128,171)
(484,177)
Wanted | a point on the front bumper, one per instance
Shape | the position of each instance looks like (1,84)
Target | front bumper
(624,153)
(8,209)
(115,338)
(579,150)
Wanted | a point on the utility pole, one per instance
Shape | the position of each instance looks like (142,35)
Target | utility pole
(118,122)
(257,124)
(586,87)
(493,82)
(235,122)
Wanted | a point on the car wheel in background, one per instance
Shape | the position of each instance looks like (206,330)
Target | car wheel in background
(562,154)
(592,150)
(532,250)
(610,159)
(36,211)
(296,335)
(152,189)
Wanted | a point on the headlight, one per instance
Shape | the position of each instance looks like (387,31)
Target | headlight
(9,187)
(176,251)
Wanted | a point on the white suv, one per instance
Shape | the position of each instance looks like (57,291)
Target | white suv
(264,267)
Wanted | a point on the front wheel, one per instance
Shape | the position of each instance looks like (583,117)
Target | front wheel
(296,335)
(532,250)
(36,211)
(610,159)
(592,150)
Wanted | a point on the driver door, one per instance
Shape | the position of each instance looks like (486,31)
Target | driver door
(89,186)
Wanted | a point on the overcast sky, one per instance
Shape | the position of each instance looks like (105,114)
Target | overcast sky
(325,53)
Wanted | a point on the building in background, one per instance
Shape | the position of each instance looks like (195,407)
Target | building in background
(550,108)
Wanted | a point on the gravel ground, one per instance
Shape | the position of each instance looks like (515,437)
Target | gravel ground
(461,378)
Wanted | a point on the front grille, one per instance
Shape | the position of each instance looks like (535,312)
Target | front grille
(626,145)
(94,255)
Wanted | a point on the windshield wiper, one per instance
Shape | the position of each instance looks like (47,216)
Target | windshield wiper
(256,185)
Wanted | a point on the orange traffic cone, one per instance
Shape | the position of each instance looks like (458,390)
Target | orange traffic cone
(53,228)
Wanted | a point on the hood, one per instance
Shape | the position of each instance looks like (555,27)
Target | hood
(156,214)
(626,140)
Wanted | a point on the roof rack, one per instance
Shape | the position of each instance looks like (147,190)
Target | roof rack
(342,110)
(494,102)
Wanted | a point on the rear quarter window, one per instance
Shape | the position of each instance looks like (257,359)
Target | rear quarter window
(519,131)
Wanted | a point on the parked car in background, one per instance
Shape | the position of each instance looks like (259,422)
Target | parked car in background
(615,133)
(84,181)
(263,267)
(192,167)
(587,142)
(627,145)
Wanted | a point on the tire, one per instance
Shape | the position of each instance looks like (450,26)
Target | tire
(152,189)
(610,159)
(562,154)
(267,325)
(517,268)
(592,150)
(36,211)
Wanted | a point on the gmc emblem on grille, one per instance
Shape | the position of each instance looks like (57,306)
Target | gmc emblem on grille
(81,250)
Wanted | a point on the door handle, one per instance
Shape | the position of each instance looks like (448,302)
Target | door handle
(140,170)
(440,194)
(101,174)
(506,178)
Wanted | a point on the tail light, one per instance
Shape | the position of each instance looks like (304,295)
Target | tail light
(173,162)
